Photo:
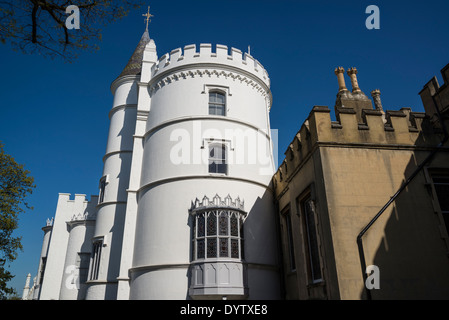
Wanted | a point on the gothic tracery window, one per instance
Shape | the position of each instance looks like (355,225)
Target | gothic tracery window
(217,233)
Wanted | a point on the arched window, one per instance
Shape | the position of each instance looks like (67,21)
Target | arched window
(217,103)
(217,158)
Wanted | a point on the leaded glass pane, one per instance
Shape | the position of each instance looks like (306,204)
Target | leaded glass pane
(234,226)
(200,248)
(222,168)
(217,159)
(217,103)
(223,224)
(212,167)
(313,240)
(234,248)
(220,111)
(213,97)
(212,247)
(212,224)
(218,233)
(200,225)
(224,247)
(219,98)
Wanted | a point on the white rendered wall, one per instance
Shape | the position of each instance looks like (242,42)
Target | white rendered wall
(116,170)
(80,241)
(179,114)
(44,252)
(143,108)
(56,255)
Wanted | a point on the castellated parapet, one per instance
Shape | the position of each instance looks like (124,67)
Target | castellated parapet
(358,125)
(232,60)
(403,129)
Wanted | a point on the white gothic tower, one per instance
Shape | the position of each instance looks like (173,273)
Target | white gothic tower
(205,224)
(185,207)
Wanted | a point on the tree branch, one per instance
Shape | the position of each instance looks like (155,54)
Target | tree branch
(34,26)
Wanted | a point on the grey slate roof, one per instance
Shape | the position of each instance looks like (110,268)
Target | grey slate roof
(134,65)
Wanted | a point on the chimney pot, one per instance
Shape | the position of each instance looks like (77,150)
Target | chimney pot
(352,73)
(340,71)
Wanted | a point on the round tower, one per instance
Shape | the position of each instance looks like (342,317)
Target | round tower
(113,185)
(205,225)
(73,284)
(43,257)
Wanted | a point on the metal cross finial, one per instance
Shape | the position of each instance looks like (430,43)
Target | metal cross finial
(148,16)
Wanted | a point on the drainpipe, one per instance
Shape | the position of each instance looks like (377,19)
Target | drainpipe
(393,198)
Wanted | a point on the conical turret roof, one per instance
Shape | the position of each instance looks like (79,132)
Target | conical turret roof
(134,65)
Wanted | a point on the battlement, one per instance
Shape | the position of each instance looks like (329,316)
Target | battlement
(189,55)
(358,125)
(435,98)
(401,129)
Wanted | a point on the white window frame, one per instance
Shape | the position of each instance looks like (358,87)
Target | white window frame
(217,105)
(95,261)
(224,146)
(104,181)
(225,90)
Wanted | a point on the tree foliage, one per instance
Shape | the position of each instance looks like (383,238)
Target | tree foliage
(15,186)
(39,26)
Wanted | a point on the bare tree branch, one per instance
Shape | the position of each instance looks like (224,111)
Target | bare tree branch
(33,26)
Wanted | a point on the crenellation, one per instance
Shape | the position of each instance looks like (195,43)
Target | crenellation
(206,49)
(402,127)
(319,118)
(435,98)
(176,54)
(221,51)
(304,133)
(236,55)
(189,51)
(353,166)
(416,120)
(410,119)
(374,120)
(164,60)
(234,58)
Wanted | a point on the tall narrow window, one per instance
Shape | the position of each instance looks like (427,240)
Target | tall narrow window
(95,259)
(314,264)
(82,264)
(43,265)
(217,159)
(217,104)
(102,189)
(291,248)
(441,184)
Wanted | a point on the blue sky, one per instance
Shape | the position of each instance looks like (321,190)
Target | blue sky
(54,115)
